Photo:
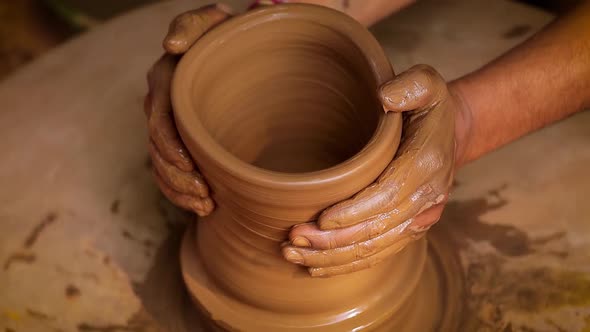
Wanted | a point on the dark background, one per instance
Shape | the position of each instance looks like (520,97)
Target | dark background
(30,27)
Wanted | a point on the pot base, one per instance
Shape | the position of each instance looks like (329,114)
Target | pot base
(434,305)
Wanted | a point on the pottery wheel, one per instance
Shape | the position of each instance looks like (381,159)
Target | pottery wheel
(436,303)
(81,222)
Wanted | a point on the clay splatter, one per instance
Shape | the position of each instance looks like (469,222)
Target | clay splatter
(39,315)
(148,243)
(505,238)
(127,235)
(19,257)
(115,206)
(528,292)
(72,292)
(90,276)
(493,289)
(34,235)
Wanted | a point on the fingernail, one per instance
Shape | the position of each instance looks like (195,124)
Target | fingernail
(301,241)
(293,256)
(203,211)
(391,90)
(395,99)
(399,95)
(208,204)
(173,45)
(317,272)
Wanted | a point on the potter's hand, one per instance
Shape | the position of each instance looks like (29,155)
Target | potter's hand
(174,169)
(407,198)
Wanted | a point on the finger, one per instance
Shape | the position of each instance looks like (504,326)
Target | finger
(419,87)
(361,264)
(160,123)
(187,183)
(424,161)
(425,156)
(339,256)
(390,199)
(201,206)
(311,235)
(186,28)
(364,205)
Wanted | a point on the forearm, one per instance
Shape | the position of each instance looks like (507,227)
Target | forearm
(366,12)
(541,81)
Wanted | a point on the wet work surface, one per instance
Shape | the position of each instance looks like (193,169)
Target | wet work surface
(87,243)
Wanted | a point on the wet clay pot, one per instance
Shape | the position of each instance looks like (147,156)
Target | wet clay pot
(279,109)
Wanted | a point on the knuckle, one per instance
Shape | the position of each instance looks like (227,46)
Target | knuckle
(434,161)
(426,190)
(376,227)
(332,241)
(362,250)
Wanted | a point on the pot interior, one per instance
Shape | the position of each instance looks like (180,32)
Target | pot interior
(287,95)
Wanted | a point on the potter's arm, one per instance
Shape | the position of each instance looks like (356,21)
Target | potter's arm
(406,199)
(410,195)
(366,12)
(539,82)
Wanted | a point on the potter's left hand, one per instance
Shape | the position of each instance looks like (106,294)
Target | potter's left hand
(407,198)
(174,170)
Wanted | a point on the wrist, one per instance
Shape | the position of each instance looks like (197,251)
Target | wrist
(463,122)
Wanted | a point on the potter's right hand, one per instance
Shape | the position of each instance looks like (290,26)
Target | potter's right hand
(407,198)
(174,170)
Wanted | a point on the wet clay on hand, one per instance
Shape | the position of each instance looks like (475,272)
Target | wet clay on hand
(406,199)
(174,170)
(280,110)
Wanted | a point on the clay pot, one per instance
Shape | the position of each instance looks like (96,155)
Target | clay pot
(279,109)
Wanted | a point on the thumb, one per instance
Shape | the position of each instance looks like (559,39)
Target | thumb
(186,28)
(419,87)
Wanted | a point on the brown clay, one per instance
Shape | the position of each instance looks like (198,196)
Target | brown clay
(279,109)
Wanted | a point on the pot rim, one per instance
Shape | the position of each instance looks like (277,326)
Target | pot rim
(199,140)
